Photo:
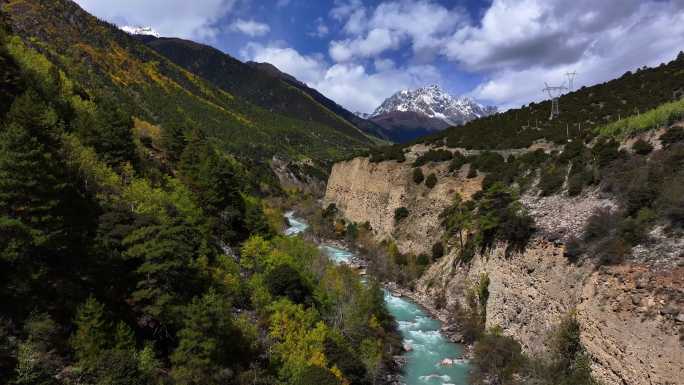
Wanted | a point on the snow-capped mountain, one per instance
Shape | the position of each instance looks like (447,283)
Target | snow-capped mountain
(436,103)
(140,30)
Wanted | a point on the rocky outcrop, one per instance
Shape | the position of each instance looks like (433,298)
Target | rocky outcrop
(631,315)
(371,192)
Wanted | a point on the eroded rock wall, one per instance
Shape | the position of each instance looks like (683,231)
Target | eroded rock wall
(371,192)
(631,315)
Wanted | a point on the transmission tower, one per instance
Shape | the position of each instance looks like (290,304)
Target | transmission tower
(571,79)
(554,93)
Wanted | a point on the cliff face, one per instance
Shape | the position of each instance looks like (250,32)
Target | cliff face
(370,192)
(631,315)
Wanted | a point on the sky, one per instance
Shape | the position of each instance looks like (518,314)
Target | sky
(359,52)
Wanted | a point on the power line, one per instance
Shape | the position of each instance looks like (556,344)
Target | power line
(554,93)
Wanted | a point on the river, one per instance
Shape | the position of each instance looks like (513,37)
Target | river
(432,359)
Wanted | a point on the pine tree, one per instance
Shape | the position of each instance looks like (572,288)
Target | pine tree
(92,333)
(173,140)
(165,253)
(208,342)
(114,136)
(32,192)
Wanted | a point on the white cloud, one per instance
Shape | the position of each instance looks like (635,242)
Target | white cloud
(282,3)
(321,30)
(422,23)
(250,27)
(178,18)
(522,47)
(349,84)
(377,41)
(308,69)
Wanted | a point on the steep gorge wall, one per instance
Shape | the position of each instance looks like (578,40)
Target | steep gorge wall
(631,315)
(370,192)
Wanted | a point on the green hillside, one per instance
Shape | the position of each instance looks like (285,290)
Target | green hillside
(582,111)
(124,263)
(110,64)
(265,89)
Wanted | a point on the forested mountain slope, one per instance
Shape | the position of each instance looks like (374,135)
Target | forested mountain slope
(581,111)
(108,63)
(281,94)
(126,262)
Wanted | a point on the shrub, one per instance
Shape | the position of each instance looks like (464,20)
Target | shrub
(423,259)
(552,179)
(381,154)
(457,162)
(573,249)
(611,250)
(605,151)
(472,172)
(400,214)
(497,358)
(418,176)
(672,136)
(642,147)
(431,180)
(599,225)
(285,281)
(433,156)
(437,251)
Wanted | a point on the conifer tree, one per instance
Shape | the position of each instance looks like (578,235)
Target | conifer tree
(209,342)
(166,275)
(92,333)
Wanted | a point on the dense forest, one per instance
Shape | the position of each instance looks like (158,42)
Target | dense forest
(132,258)
(108,63)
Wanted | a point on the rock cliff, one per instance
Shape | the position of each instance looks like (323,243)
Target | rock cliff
(631,315)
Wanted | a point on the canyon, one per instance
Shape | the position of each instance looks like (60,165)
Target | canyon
(631,314)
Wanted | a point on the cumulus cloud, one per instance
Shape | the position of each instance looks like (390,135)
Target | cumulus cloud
(250,27)
(349,84)
(308,69)
(520,45)
(377,41)
(180,18)
(421,23)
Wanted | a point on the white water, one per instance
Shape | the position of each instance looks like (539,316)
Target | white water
(432,359)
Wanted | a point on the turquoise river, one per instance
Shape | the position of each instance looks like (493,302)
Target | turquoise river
(431,358)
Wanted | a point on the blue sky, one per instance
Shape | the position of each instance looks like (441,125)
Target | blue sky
(358,52)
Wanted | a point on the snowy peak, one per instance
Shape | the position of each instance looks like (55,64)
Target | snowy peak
(149,31)
(434,102)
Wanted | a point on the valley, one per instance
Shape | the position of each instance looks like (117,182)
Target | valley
(193,202)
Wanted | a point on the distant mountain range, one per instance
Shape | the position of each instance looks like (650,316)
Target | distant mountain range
(409,114)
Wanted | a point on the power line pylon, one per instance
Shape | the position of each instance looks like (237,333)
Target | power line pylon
(571,79)
(554,93)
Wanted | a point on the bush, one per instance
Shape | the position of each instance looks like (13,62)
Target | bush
(433,156)
(573,249)
(672,136)
(431,180)
(611,251)
(472,172)
(552,179)
(642,147)
(457,162)
(285,281)
(418,176)
(437,251)
(599,225)
(497,358)
(400,214)
(381,154)
(605,151)
(423,260)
